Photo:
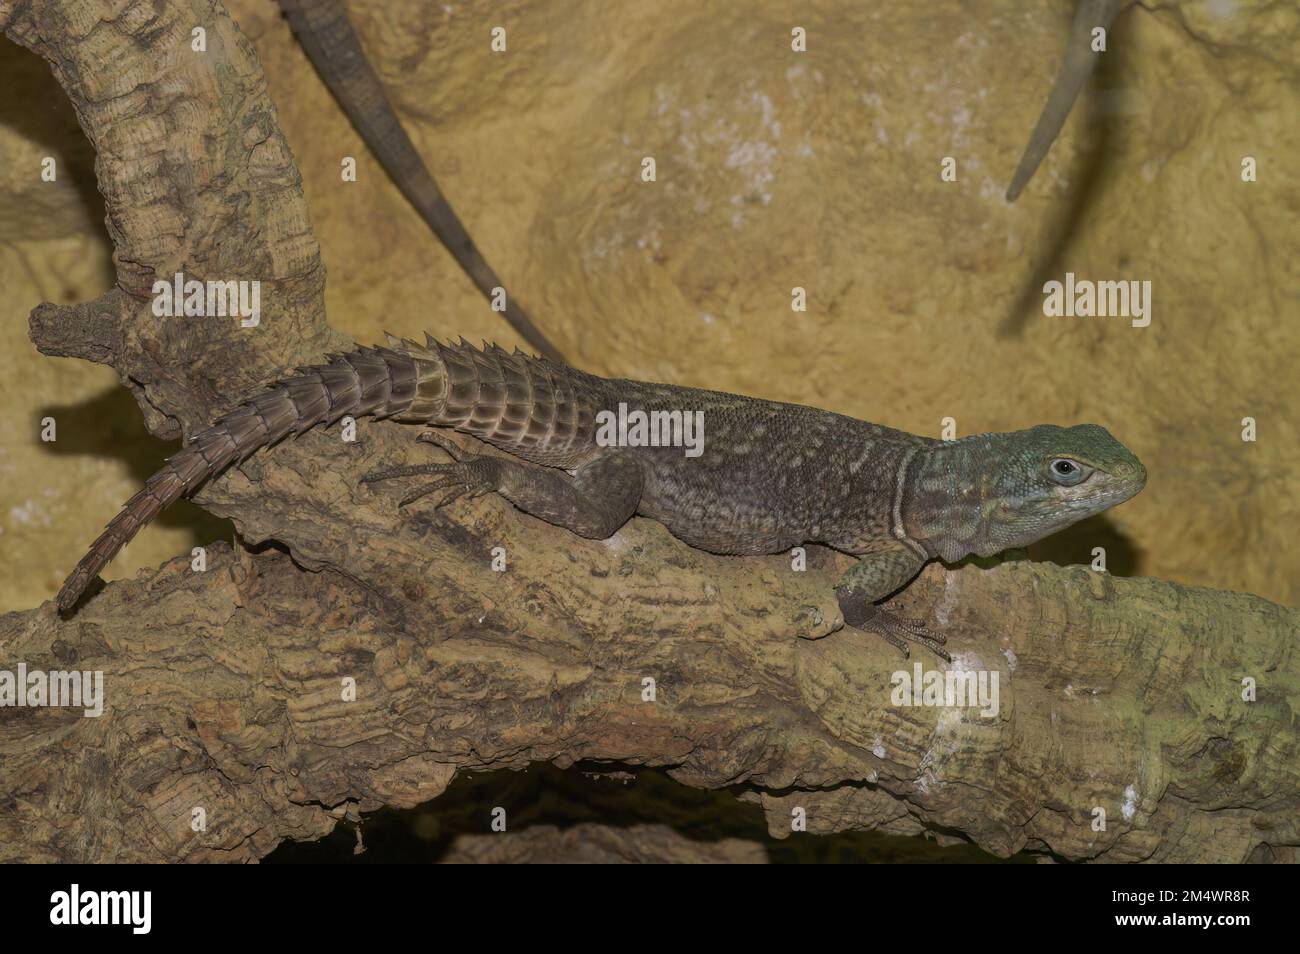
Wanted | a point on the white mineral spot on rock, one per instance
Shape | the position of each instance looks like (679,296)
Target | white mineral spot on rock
(951,586)
(1129,808)
(923,782)
(753,159)
(29,513)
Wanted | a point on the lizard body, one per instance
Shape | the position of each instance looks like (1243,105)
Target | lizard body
(332,45)
(770,475)
(1076,67)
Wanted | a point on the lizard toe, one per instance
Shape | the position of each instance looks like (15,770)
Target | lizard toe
(441,484)
(387,473)
(437,438)
(471,476)
(899,631)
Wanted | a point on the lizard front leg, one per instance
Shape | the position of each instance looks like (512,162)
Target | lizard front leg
(600,497)
(874,577)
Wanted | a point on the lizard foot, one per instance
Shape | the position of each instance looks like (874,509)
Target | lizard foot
(470,475)
(898,631)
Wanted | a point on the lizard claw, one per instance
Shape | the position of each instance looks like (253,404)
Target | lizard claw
(899,631)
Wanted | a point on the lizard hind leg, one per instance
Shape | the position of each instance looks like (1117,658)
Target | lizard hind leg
(594,502)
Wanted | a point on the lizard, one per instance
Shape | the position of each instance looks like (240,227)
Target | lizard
(769,476)
(1076,67)
(331,43)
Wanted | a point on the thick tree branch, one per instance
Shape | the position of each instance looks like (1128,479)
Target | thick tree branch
(197,178)
(225,692)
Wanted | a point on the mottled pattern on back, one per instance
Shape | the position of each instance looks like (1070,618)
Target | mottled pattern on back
(771,475)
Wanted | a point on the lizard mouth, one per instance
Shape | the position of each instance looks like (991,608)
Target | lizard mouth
(1109,495)
(1112,485)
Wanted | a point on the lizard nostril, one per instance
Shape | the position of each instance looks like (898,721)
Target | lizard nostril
(1131,471)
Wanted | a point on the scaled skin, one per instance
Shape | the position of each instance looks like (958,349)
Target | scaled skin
(770,475)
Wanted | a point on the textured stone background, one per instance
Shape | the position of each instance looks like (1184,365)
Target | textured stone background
(775,170)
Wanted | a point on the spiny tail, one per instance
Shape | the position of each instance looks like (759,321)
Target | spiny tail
(533,408)
(1075,70)
(323,29)
(537,409)
(371,381)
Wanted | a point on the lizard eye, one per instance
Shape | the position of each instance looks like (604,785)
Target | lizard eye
(1067,472)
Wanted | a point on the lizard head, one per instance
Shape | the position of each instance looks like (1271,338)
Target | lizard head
(1052,477)
(1011,490)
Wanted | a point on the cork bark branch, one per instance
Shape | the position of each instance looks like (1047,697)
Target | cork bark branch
(225,687)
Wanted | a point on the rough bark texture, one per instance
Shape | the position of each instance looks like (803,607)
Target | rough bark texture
(224,692)
(224,687)
(196,177)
